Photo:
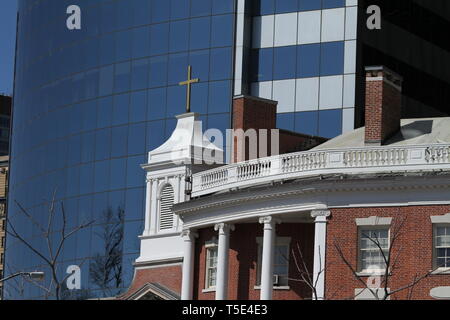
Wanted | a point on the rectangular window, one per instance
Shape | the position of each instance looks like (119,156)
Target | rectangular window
(281,262)
(211,267)
(442,247)
(371,257)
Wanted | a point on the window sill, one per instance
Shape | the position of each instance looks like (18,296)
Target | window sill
(373,273)
(209,290)
(441,271)
(274,288)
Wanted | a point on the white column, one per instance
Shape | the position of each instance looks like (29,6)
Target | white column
(154,208)
(222,259)
(320,245)
(148,201)
(267,257)
(187,285)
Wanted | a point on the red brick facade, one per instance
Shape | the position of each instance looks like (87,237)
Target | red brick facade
(243,261)
(383,106)
(415,241)
(168,276)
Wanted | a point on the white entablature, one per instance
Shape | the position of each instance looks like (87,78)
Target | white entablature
(168,170)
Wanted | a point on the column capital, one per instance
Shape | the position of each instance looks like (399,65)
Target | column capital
(320,214)
(269,220)
(189,235)
(224,227)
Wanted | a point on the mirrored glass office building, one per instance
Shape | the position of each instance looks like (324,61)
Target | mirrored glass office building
(89,104)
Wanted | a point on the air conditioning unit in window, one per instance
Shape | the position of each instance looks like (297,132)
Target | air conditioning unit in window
(276,280)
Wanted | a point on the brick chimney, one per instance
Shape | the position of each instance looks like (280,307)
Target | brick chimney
(383,104)
(252,113)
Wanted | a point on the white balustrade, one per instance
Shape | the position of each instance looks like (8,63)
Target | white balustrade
(309,163)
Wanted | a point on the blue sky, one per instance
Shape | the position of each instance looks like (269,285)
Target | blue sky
(8,9)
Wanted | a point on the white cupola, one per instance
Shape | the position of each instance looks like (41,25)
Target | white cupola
(169,169)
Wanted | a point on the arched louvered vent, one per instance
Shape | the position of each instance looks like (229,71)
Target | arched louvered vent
(165,208)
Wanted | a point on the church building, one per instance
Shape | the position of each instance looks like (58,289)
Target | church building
(365,215)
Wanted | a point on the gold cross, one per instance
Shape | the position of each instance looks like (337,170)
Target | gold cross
(188,83)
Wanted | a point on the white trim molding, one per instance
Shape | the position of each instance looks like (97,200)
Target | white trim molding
(373,221)
(440,293)
(445,219)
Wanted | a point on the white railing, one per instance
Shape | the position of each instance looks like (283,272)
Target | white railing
(332,161)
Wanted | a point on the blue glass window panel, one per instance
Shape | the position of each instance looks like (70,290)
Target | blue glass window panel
(178,63)
(141,9)
(88,115)
(157,102)
(90,52)
(106,81)
(123,45)
(124,14)
(262,65)
(122,77)
(134,207)
(179,9)
(136,139)
(135,174)
(330,123)
(155,134)
(104,112)
(138,106)
(141,42)
(282,6)
(103,144)
(220,64)
(120,109)
(306,122)
(116,199)
(199,97)
(327,4)
(285,121)
(200,33)
(159,38)
(170,127)
(200,8)
(139,74)
(99,206)
(74,155)
(176,101)
(92,83)
(332,58)
(222,31)
(107,49)
(199,60)
(118,175)
(73,183)
(284,65)
(131,242)
(87,147)
(264,7)
(158,71)
(308,61)
(108,17)
(119,141)
(160,11)
(219,97)
(179,36)
(75,123)
(306,5)
(222,6)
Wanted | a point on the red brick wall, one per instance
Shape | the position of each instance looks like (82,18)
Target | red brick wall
(243,261)
(169,277)
(416,243)
(383,108)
